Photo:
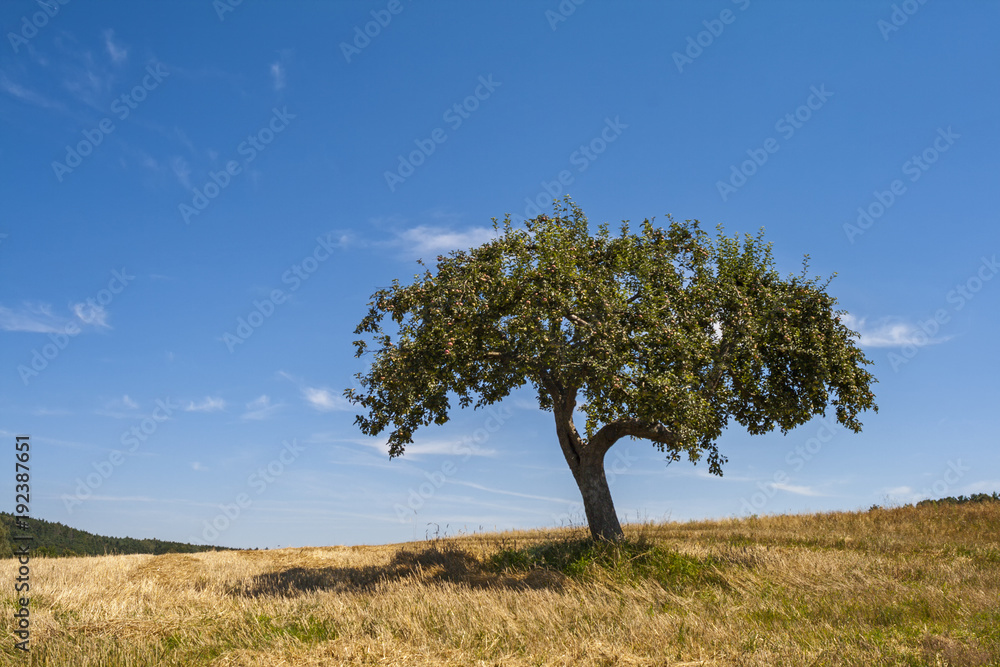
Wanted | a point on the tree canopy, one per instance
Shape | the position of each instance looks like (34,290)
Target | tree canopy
(664,334)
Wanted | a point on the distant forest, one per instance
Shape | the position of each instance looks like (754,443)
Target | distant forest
(55,539)
(961,500)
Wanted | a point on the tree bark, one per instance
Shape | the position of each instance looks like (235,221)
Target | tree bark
(597,503)
(586,461)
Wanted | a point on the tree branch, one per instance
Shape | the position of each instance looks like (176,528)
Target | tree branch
(611,433)
(715,375)
(563,404)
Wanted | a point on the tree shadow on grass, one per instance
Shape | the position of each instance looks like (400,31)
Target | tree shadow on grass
(449,565)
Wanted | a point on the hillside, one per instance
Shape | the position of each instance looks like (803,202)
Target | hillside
(55,539)
(898,586)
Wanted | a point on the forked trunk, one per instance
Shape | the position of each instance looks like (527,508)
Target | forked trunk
(597,503)
(586,460)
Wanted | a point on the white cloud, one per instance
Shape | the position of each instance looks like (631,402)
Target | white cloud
(119,408)
(31,317)
(797,490)
(91,313)
(460,447)
(515,493)
(198,466)
(889,333)
(209,404)
(87,80)
(118,53)
(182,171)
(260,408)
(325,400)
(319,398)
(426,239)
(38,317)
(25,95)
(278,75)
(181,136)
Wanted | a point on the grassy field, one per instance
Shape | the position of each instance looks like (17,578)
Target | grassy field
(903,586)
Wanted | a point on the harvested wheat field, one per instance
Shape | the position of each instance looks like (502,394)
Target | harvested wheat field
(903,586)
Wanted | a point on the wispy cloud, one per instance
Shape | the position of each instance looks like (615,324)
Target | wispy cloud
(182,171)
(119,408)
(888,333)
(260,408)
(197,466)
(32,317)
(324,399)
(462,447)
(278,75)
(209,404)
(91,313)
(119,54)
(797,490)
(427,239)
(25,95)
(36,317)
(514,493)
(88,81)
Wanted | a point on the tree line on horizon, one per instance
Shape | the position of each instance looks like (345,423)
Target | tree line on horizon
(55,539)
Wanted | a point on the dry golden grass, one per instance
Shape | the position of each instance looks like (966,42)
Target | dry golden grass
(905,586)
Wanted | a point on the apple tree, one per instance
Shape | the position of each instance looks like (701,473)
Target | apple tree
(663,334)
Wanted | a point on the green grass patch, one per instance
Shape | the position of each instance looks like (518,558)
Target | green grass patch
(628,561)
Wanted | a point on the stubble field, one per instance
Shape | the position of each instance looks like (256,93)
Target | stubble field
(903,586)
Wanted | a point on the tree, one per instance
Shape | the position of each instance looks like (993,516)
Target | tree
(661,335)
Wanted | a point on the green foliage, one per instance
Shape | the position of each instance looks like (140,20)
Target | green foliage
(55,539)
(665,334)
(961,500)
(626,561)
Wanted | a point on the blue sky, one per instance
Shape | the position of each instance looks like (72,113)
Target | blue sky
(200,198)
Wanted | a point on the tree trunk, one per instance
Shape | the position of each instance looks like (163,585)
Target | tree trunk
(597,503)
(586,460)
